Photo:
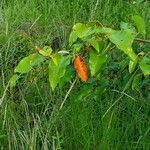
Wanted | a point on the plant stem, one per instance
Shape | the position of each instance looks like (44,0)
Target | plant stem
(122,93)
(66,96)
(107,48)
(142,40)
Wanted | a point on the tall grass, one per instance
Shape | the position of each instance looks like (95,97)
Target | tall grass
(30,115)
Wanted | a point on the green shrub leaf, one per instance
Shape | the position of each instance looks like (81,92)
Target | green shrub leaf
(57,70)
(13,80)
(123,40)
(82,30)
(140,24)
(126,26)
(97,44)
(67,76)
(72,38)
(77,47)
(96,61)
(26,64)
(46,51)
(104,30)
(145,65)
(132,65)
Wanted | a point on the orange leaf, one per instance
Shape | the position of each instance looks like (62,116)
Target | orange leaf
(80,68)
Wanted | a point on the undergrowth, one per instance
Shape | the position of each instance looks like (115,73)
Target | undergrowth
(90,119)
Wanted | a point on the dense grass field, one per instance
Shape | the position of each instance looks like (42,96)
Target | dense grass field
(103,119)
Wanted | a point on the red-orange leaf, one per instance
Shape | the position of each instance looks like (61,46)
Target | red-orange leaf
(80,68)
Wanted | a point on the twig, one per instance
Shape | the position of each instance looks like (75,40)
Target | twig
(66,96)
(136,39)
(125,94)
(35,21)
(142,40)
(112,106)
(112,47)
(107,48)
(122,94)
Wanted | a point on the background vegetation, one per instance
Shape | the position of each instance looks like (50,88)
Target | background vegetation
(106,118)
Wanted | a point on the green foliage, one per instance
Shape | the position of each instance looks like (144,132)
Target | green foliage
(13,80)
(97,44)
(123,40)
(93,40)
(27,63)
(72,38)
(140,24)
(132,65)
(29,115)
(82,30)
(145,65)
(76,48)
(46,51)
(69,73)
(96,61)
(57,69)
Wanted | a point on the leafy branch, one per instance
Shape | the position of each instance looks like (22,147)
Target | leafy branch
(91,43)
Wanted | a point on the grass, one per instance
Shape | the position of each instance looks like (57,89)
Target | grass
(30,116)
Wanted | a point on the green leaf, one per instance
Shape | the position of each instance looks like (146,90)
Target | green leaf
(140,24)
(72,38)
(77,47)
(97,44)
(96,61)
(82,30)
(57,71)
(126,26)
(123,40)
(136,81)
(103,30)
(46,51)
(68,75)
(145,65)
(26,64)
(132,65)
(13,80)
